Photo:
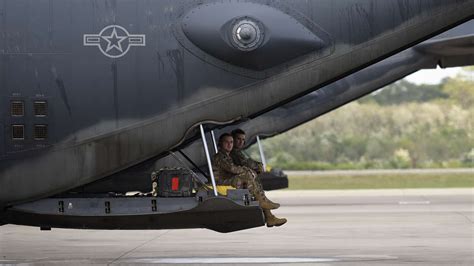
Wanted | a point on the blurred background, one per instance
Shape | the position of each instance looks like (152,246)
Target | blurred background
(424,121)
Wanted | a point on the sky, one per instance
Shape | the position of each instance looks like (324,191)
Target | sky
(432,76)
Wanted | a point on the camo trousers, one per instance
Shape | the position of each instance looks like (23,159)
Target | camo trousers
(248,180)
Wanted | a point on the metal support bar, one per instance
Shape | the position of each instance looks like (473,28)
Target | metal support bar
(262,156)
(203,180)
(209,164)
(214,141)
(191,162)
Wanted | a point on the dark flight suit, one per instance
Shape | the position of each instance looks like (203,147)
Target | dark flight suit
(239,158)
(228,173)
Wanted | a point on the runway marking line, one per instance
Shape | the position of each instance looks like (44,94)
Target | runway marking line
(426,202)
(229,260)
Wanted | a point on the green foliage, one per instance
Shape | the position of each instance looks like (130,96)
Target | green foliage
(404,91)
(382,181)
(424,130)
(461,88)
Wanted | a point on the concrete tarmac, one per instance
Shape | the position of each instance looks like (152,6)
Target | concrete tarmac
(369,172)
(361,227)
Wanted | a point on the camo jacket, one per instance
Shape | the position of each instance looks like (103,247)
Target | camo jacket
(224,168)
(239,158)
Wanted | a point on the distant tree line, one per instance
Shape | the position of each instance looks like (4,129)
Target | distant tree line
(403,125)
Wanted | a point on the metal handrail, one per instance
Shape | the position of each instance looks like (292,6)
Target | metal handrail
(262,155)
(208,157)
(214,141)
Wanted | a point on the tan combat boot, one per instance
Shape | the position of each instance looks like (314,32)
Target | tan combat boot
(277,205)
(265,203)
(272,220)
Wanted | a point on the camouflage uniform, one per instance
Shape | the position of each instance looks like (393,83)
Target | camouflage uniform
(239,158)
(227,173)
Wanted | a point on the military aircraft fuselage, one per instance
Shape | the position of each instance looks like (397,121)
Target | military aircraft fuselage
(452,48)
(90,88)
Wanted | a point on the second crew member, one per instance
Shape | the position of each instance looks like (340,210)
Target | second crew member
(228,173)
(239,157)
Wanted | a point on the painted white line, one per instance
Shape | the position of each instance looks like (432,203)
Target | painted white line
(248,260)
(414,202)
(370,257)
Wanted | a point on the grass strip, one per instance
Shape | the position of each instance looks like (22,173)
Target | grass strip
(451,180)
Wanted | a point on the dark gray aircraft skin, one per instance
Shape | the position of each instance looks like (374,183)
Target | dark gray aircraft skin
(453,48)
(107,85)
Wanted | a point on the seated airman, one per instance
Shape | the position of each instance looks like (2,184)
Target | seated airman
(228,173)
(237,155)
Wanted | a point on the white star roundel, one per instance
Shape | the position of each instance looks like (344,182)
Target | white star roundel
(114,41)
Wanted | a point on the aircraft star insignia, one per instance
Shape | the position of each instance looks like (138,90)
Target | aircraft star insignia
(114,41)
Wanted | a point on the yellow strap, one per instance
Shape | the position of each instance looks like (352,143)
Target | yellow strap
(222,190)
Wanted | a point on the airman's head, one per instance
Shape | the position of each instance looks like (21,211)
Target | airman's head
(239,138)
(226,142)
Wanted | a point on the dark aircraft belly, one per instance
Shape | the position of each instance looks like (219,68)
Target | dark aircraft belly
(125,81)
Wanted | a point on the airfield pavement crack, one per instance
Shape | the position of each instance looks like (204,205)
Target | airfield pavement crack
(137,247)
